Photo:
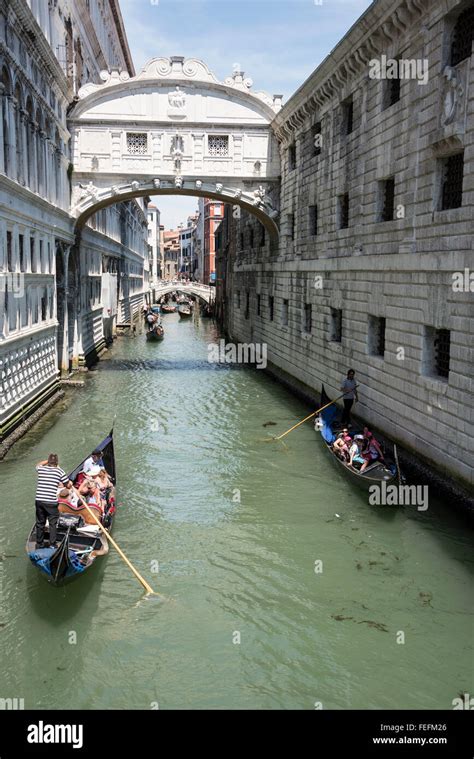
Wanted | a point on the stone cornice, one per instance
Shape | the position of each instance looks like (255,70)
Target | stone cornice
(177,70)
(376,29)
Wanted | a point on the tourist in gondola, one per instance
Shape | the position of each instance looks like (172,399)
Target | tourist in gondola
(95,459)
(349,388)
(341,448)
(371,451)
(355,451)
(50,475)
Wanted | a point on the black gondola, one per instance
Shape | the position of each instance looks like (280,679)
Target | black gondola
(376,473)
(81,541)
(157,333)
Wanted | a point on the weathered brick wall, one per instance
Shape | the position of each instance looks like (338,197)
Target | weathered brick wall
(402,269)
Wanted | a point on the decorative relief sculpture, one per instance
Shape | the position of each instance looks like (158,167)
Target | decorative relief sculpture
(156,183)
(453,92)
(178,182)
(198,184)
(177,104)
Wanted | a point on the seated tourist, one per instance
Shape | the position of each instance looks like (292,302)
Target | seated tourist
(355,455)
(371,451)
(341,448)
(94,460)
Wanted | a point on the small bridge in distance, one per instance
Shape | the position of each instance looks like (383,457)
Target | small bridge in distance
(198,290)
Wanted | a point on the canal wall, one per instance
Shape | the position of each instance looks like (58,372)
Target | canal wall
(372,270)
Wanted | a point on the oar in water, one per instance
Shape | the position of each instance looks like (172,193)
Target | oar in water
(147,587)
(272,439)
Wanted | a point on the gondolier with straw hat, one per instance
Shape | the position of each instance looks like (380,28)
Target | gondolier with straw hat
(50,475)
(349,388)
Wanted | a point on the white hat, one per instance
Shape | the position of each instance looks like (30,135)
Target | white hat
(94,471)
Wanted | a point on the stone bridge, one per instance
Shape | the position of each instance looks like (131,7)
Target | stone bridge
(175,129)
(204,292)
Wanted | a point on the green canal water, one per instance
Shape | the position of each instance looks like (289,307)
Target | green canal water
(235,527)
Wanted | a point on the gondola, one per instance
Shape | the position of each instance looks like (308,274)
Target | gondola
(80,539)
(207,311)
(184,311)
(156,334)
(168,309)
(376,473)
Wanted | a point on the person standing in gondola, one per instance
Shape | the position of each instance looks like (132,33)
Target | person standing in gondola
(349,388)
(50,475)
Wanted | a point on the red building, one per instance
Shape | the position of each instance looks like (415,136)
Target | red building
(213,214)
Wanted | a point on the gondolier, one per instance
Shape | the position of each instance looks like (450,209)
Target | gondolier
(50,475)
(349,388)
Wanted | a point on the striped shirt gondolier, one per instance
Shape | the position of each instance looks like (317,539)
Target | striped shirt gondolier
(49,478)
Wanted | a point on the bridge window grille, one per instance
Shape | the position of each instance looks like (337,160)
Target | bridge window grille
(336,325)
(137,143)
(452,176)
(218,145)
(463,35)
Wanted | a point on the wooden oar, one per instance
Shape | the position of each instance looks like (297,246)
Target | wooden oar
(306,418)
(147,587)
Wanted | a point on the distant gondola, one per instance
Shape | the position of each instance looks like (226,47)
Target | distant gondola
(375,473)
(168,309)
(155,334)
(184,311)
(81,541)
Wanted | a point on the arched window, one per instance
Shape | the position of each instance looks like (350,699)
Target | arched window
(29,157)
(18,133)
(7,91)
(463,35)
(57,166)
(40,168)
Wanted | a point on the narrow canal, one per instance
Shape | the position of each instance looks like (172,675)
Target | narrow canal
(236,526)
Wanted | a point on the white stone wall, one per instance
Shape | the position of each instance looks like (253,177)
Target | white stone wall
(401,270)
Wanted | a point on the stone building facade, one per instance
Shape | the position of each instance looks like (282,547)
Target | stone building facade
(52,312)
(374,268)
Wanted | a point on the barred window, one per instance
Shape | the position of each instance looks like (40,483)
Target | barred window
(387,192)
(218,145)
(284,313)
(9,252)
(452,177)
(391,94)
(348,116)
(344,211)
(259,304)
(436,352)
(376,335)
(262,235)
(461,46)
(292,157)
(271,307)
(313,220)
(137,143)
(317,138)
(247,304)
(336,325)
(308,318)
(442,345)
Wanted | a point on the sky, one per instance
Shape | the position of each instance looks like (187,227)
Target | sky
(277,43)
